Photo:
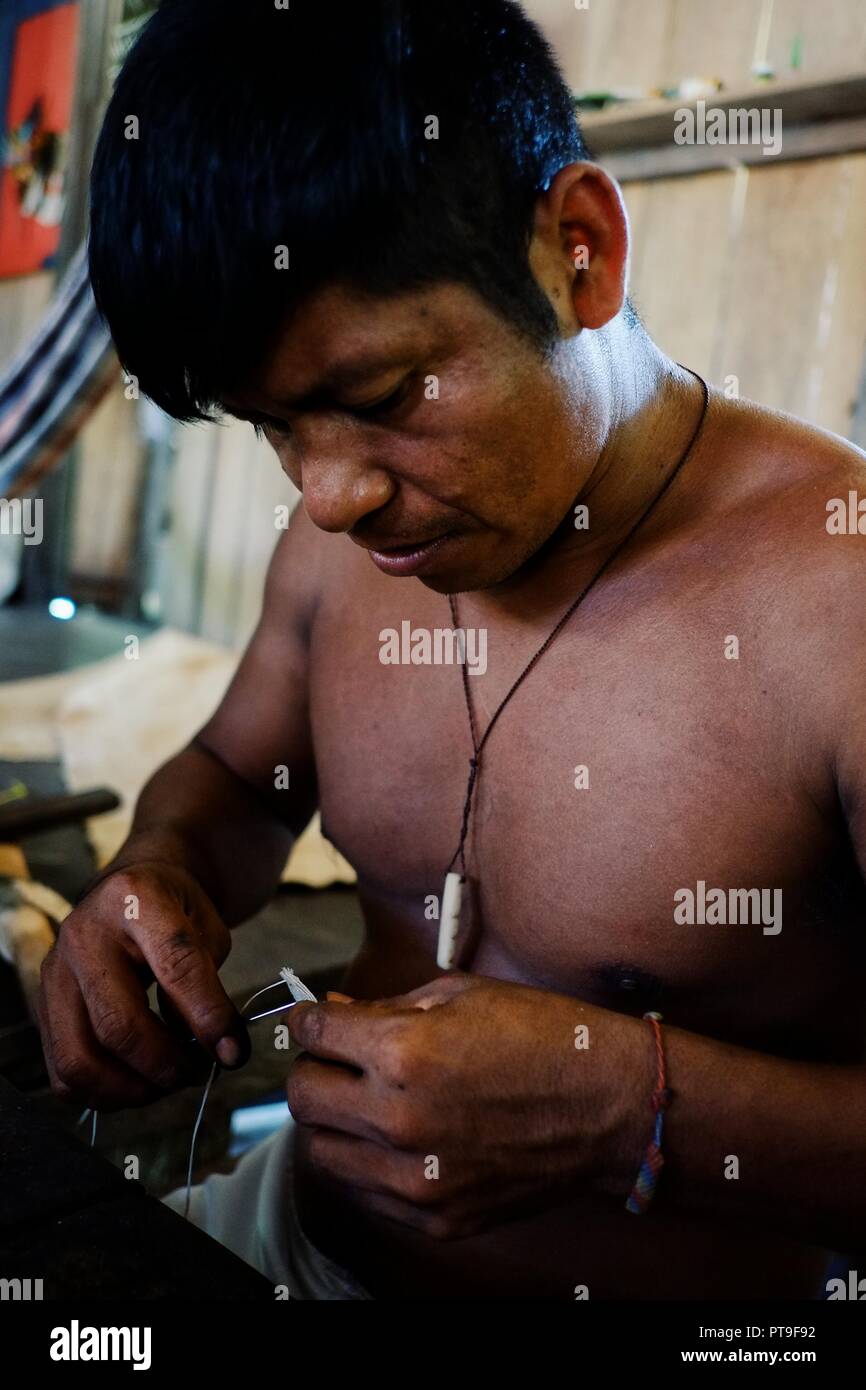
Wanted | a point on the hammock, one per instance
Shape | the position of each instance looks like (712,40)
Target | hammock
(54,385)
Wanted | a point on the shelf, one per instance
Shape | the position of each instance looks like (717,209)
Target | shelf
(636,140)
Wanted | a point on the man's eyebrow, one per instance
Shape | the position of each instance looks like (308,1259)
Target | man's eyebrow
(339,377)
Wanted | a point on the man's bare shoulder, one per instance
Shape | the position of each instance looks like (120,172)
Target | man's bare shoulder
(759,454)
(298,571)
(790,491)
(312,574)
(787,507)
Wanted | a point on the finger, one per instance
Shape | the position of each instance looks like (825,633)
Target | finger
(198,1062)
(78,1067)
(188,974)
(320,1093)
(334,997)
(350,1033)
(122,1021)
(169,1014)
(365,1166)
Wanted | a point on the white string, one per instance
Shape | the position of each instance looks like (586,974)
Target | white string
(300,994)
(198,1119)
(83,1116)
(297,988)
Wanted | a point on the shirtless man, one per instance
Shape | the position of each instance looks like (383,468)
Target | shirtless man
(442,438)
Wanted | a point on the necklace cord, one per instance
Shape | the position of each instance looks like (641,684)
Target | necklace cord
(478,748)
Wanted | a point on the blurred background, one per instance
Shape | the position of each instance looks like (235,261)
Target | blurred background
(133,551)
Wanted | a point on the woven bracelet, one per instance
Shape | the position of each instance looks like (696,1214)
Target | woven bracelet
(650,1170)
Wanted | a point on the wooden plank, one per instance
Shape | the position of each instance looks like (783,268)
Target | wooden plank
(827,139)
(241,533)
(678,256)
(189,508)
(612,43)
(840,345)
(711,40)
(270,489)
(632,43)
(570,32)
(831,36)
(627,47)
(229,517)
(638,199)
(636,126)
(777,293)
(107,484)
(226,486)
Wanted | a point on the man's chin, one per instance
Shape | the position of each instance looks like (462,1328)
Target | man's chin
(463,580)
(455,569)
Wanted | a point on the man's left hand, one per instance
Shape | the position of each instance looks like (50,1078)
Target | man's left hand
(468,1101)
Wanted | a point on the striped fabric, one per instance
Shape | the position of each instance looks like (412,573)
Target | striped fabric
(53,386)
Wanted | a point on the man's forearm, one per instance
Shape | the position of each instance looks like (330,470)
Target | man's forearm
(747,1136)
(197,814)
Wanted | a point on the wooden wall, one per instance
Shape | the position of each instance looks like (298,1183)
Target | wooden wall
(756,274)
(760,275)
(108,479)
(227,485)
(656,43)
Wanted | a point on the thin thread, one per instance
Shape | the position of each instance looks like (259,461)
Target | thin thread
(198,1119)
(92,1114)
(478,748)
(300,994)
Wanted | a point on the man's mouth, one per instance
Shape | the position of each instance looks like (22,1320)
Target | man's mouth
(402,560)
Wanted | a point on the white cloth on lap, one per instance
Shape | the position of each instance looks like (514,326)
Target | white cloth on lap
(252,1212)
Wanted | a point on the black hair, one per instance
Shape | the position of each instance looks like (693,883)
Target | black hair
(238,127)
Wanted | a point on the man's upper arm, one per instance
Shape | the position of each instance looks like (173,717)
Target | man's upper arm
(838,670)
(262,725)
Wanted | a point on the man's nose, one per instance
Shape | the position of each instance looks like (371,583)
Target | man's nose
(339,477)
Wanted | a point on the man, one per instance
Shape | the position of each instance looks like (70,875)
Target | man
(381,241)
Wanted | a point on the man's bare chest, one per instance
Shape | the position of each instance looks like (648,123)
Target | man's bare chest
(638,832)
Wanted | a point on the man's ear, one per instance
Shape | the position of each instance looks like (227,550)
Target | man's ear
(580,247)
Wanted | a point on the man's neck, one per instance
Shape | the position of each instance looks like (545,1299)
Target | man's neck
(654,408)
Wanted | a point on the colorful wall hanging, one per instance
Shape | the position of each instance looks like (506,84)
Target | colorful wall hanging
(38,42)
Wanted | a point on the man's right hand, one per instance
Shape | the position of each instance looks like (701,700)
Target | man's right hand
(103,1043)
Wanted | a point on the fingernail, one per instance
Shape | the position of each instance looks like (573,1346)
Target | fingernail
(229,1051)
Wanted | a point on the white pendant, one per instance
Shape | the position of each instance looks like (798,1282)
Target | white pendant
(449,922)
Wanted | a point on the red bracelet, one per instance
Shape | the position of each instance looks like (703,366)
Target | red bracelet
(650,1170)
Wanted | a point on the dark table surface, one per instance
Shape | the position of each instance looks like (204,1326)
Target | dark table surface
(74,1221)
